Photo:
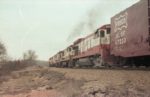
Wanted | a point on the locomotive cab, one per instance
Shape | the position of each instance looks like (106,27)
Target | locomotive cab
(104,36)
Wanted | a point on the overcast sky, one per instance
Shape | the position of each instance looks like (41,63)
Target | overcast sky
(48,26)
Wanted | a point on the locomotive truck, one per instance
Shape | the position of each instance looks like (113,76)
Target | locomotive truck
(124,42)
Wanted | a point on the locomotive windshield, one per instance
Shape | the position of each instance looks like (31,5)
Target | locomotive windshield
(108,30)
(97,34)
(102,33)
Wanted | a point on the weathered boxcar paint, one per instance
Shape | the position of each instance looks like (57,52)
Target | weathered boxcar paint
(130,31)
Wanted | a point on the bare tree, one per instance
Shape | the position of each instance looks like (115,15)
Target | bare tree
(3,52)
(30,55)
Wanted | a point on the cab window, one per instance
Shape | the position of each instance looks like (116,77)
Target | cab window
(96,34)
(108,30)
(69,49)
(102,33)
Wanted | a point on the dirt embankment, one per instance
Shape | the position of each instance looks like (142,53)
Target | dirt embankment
(110,83)
(38,81)
(35,81)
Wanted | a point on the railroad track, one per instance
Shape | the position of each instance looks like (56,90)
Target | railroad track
(142,68)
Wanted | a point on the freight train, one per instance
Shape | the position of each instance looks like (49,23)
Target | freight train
(124,42)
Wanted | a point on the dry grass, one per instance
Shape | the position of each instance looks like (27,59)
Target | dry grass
(76,82)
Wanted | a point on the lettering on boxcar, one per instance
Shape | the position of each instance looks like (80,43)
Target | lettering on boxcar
(120,30)
(121,22)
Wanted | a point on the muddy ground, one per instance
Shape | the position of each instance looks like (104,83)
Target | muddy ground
(42,81)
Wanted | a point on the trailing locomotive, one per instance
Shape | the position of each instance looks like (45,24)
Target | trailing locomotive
(124,42)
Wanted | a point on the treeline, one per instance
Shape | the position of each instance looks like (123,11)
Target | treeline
(29,57)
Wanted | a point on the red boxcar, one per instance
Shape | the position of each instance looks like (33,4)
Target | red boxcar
(130,31)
